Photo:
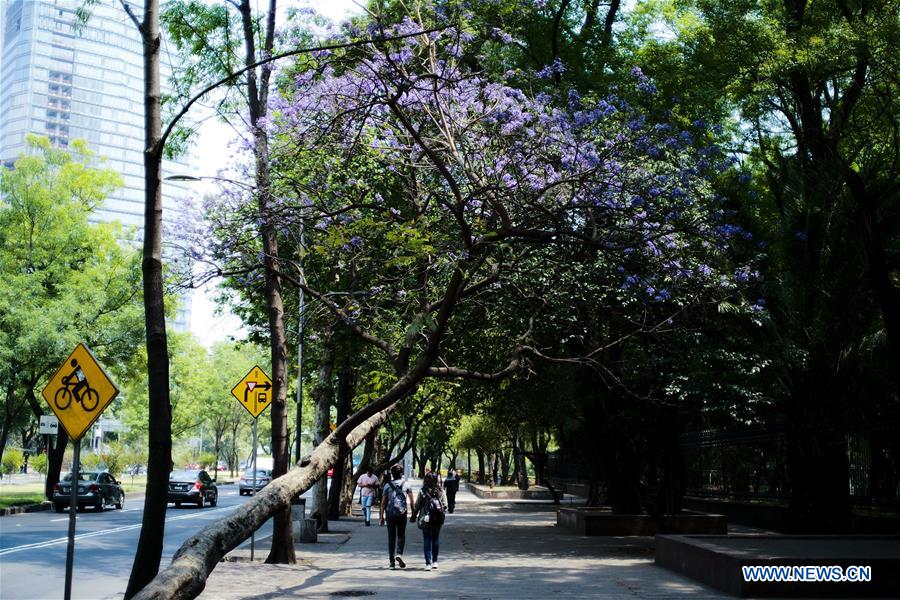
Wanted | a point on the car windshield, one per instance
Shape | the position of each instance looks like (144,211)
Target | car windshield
(184,476)
(258,474)
(84,476)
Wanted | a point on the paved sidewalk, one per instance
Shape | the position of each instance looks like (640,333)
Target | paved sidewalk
(489,549)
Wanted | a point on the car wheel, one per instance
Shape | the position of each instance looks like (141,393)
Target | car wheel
(121,501)
(58,507)
(214,500)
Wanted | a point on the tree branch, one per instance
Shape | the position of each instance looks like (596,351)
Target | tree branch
(184,109)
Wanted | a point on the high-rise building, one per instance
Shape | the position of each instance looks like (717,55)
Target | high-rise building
(85,82)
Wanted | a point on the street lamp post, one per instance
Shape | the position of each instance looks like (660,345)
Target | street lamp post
(298,426)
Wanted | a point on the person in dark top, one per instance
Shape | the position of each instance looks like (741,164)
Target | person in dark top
(451,486)
(394,505)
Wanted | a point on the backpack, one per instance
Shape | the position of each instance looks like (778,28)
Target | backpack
(396,504)
(435,512)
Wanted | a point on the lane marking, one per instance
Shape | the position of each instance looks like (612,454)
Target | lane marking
(102,532)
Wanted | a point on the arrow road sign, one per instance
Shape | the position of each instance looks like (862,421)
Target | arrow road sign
(253,391)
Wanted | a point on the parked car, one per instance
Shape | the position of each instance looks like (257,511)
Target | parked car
(193,486)
(96,489)
(263,477)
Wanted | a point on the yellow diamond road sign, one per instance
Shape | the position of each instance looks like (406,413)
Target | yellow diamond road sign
(79,391)
(254,391)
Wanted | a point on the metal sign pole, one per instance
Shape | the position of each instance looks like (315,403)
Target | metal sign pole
(73,508)
(253,535)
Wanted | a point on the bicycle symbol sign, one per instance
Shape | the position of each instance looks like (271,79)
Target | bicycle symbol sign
(79,391)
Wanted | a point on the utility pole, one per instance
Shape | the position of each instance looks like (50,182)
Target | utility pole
(298,427)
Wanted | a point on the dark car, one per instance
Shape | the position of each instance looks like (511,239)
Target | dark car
(263,477)
(194,486)
(96,489)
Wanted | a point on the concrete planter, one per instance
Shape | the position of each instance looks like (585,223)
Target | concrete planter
(601,521)
(718,560)
(535,492)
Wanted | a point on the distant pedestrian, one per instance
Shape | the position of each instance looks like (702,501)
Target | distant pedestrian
(451,486)
(394,509)
(367,483)
(428,514)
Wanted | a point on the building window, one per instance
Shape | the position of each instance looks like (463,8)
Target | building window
(13,21)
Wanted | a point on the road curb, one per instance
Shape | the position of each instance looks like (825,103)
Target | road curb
(27,508)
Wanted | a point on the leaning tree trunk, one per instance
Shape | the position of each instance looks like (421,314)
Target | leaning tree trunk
(186,576)
(159,463)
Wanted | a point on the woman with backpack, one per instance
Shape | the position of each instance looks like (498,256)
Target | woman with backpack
(428,513)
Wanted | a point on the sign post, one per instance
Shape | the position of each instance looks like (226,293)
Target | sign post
(253,393)
(49,426)
(73,508)
(78,393)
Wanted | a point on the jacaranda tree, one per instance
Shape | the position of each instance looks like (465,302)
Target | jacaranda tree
(400,154)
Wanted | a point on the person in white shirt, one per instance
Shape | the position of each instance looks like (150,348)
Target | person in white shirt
(367,484)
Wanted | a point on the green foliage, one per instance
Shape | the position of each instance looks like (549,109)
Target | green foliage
(38,463)
(91,461)
(12,461)
(64,280)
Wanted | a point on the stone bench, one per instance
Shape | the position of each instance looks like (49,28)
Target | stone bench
(601,521)
(535,492)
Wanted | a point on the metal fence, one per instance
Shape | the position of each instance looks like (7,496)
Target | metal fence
(751,462)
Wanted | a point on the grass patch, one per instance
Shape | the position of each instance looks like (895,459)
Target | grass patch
(22,497)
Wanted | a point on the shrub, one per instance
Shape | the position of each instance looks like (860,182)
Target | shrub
(39,463)
(12,461)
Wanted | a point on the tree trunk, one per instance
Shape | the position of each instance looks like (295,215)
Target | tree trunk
(481,467)
(54,461)
(505,464)
(348,486)
(817,458)
(159,463)
(521,468)
(257,95)
(344,404)
(672,489)
(323,394)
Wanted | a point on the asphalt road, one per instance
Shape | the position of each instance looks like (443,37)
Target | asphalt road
(33,547)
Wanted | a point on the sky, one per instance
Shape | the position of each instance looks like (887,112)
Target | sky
(209,323)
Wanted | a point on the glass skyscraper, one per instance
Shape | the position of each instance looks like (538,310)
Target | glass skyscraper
(83,83)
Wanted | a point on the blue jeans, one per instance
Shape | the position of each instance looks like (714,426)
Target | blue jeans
(431,535)
(367,507)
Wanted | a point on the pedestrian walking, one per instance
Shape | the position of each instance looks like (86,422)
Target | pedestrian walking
(451,486)
(429,513)
(394,510)
(367,483)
